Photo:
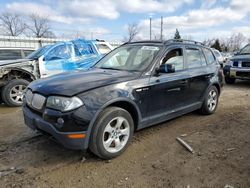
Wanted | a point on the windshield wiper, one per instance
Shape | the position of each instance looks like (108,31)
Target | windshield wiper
(244,53)
(110,68)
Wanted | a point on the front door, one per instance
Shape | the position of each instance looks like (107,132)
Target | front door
(57,60)
(168,90)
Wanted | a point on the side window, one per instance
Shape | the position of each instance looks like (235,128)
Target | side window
(175,57)
(209,55)
(193,58)
(59,52)
(10,54)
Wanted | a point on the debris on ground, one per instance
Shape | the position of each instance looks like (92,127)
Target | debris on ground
(185,144)
(231,149)
(228,186)
(83,159)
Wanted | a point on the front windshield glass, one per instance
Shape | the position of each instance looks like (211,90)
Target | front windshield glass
(38,53)
(129,58)
(245,50)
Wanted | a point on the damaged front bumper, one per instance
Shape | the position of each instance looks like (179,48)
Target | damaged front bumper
(71,140)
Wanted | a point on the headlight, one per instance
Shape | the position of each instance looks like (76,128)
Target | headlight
(63,103)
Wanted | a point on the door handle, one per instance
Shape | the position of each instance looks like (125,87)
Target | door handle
(183,82)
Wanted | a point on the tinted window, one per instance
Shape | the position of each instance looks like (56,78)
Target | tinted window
(175,57)
(209,55)
(10,54)
(193,58)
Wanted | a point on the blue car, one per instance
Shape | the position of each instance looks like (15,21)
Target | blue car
(68,56)
(47,61)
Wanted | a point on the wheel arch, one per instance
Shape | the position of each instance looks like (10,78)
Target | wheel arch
(121,102)
(15,73)
(217,87)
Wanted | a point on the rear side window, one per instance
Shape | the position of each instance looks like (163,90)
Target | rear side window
(10,54)
(175,57)
(209,55)
(194,58)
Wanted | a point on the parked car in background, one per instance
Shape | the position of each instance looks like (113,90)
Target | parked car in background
(12,53)
(219,56)
(238,67)
(134,86)
(49,60)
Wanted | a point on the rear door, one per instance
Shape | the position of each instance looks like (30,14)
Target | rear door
(196,64)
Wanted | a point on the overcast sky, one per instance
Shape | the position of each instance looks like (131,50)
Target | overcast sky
(108,18)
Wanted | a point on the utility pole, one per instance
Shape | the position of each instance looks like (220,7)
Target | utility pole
(150,27)
(161,28)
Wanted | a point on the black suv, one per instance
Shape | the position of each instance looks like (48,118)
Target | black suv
(238,67)
(134,86)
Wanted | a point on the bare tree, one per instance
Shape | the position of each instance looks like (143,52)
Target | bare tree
(234,42)
(39,26)
(12,24)
(133,31)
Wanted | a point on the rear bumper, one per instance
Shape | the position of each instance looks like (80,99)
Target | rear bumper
(36,122)
(237,72)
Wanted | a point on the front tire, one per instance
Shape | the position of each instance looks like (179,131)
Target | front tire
(112,132)
(211,101)
(13,92)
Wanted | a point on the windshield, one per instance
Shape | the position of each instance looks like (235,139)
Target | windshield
(129,58)
(245,50)
(38,53)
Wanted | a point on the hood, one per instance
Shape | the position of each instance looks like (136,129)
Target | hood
(240,57)
(73,83)
(9,62)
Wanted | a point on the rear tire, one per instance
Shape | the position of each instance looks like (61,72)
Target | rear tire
(13,92)
(111,133)
(211,101)
(229,80)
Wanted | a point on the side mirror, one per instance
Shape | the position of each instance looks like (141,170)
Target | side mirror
(166,68)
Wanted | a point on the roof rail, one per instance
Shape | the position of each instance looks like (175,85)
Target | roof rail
(184,41)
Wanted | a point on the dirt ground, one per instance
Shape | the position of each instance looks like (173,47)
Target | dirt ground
(154,159)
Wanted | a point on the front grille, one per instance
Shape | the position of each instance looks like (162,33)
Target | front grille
(245,64)
(28,97)
(34,100)
(243,74)
(235,64)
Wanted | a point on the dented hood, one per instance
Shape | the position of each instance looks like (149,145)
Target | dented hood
(73,83)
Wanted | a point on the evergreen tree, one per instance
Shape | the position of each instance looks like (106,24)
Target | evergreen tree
(216,45)
(177,35)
